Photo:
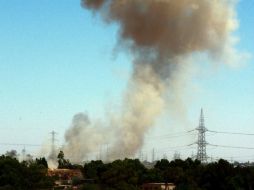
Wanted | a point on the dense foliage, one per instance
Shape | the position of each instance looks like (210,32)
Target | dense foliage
(15,175)
(129,174)
(65,163)
(120,174)
(187,175)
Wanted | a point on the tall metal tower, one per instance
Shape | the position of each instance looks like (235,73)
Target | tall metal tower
(153,155)
(23,153)
(53,147)
(201,153)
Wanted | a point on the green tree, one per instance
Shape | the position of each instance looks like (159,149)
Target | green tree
(12,154)
(22,176)
(42,161)
(62,162)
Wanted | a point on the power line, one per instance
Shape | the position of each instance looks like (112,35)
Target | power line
(174,147)
(226,146)
(234,157)
(172,135)
(17,144)
(231,133)
(169,149)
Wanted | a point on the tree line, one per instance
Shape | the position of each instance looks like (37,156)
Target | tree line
(32,174)
(186,174)
(128,174)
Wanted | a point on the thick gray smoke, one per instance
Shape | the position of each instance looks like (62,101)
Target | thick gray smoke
(161,34)
(83,138)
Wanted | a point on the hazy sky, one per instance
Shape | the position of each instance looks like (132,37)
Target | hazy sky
(57,59)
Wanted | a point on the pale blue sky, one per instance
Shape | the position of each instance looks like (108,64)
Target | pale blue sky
(57,59)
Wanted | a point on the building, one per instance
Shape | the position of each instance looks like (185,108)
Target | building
(66,174)
(65,177)
(158,186)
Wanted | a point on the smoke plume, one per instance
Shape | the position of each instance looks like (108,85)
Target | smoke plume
(160,34)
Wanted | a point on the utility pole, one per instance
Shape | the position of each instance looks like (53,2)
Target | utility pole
(141,156)
(107,154)
(53,147)
(153,155)
(23,154)
(145,157)
(201,152)
(100,154)
(177,156)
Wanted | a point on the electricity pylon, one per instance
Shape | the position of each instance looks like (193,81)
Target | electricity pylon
(201,152)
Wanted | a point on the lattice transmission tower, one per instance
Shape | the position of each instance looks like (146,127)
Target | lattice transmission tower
(52,154)
(201,152)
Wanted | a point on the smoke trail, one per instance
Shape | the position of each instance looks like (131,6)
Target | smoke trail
(160,34)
